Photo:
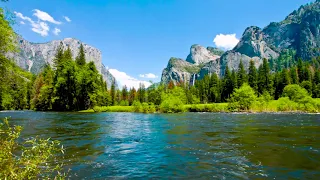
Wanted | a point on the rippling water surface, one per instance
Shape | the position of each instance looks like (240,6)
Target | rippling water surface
(188,146)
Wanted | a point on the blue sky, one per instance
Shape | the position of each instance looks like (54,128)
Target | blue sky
(138,37)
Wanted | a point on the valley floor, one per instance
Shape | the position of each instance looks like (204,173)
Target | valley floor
(267,107)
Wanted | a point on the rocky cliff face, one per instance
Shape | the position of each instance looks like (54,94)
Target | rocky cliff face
(34,56)
(200,55)
(300,31)
(180,70)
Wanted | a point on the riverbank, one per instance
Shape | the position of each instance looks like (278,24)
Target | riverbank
(273,106)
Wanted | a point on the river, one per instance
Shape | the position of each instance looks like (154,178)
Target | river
(186,146)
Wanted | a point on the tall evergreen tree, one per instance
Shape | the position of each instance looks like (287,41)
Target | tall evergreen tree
(227,84)
(300,69)
(81,58)
(242,75)
(215,94)
(113,93)
(234,79)
(253,76)
(294,75)
(59,55)
(141,93)
(132,95)
(283,80)
(124,93)
(265,79)
(67,55)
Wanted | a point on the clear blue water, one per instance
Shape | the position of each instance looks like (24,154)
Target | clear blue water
(186,146)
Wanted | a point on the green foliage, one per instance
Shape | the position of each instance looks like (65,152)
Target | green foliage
(137,106)
(285,104)
(7,35)
(242,75)
(110,109)
(71,86)
(295,92)
(14,85)
(264,78)
(253,76)
(173,101)
(243,98)
(216,107)
(81,58)
(307,85)
(228,84)
(30,159)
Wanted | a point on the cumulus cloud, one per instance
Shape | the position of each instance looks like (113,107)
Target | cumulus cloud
(20,15)
(67,18)
(22,22)
(39,27)
(148,75)
(124,79)
(226,41)
(56,31)
(44,16)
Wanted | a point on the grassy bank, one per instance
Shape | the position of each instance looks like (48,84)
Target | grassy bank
(110,109)
(282,105)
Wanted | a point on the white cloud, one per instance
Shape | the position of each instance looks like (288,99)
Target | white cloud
(67,18)
(56,31)
(22,22)
(124,79)
(19,15)
(44,16)
(39,27)
(148,75)
(226,41)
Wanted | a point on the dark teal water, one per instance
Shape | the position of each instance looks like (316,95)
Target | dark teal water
(186,146)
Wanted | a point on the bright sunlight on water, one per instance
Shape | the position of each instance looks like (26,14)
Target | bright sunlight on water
(188,146)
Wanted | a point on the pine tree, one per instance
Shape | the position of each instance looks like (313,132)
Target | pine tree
(234,79)
(215,95)
(300,69)
(227,84)
(141,93)
(132,95)
(81,58)
(283,80)
(59,55)
(253,76)
(67,55)
(242,75)
(113,93)
(294,75)
(124,93)
(265,80)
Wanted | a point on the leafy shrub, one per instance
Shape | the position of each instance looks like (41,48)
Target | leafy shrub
(31,159)
(172,105)
(295,92)
(242,98)
(124,103)
(137,107)
(308,104)
(307,85)
(285,104)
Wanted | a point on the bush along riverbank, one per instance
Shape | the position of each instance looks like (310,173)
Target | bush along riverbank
(244,99)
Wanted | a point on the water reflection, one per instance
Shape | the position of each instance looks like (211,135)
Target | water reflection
(187,146)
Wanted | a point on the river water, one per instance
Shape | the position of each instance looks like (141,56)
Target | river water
(186,146)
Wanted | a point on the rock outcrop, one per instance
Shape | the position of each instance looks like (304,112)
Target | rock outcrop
(180,70)
(34,56)
(200,55)
(300,32)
